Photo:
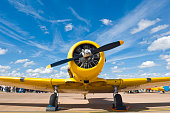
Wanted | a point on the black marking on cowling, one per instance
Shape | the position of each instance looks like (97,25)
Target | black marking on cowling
(22,79)
(148,79)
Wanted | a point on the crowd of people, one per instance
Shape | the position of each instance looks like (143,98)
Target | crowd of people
(18,90)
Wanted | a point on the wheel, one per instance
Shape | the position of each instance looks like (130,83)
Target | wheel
(53,99)
(84,97)
(117,101)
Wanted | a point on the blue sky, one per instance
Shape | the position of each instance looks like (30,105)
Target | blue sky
(35,33)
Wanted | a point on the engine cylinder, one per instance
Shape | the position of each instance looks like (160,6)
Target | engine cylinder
(86,68)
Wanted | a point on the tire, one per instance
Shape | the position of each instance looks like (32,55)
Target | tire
(52,101)
(84,97)
(118,101)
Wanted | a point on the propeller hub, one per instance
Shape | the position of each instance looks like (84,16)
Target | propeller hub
(86,52)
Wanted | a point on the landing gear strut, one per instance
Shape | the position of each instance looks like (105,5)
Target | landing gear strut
(117,103)
(53,103)
(84,96)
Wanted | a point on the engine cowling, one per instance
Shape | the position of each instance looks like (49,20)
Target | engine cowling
(86,68)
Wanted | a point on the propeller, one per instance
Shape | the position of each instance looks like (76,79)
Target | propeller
(100,49)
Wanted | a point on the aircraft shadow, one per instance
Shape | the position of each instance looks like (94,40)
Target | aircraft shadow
(103,104)
(96,104)
(144,106)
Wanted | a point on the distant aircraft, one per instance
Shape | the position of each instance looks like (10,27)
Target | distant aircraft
(163,89)
(86,60)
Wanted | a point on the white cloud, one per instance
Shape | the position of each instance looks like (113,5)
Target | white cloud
(26,8)
(120,63)
(166,33)
(121,29)
(3,51)
(15,74)
(115,67)
(61,74)
(168,66)
(143,24)
(69,27)
(167,58)
(19,51)
(58,21)
(46,32)
(147,64)
(106,21)
(6,72)
(113,62)
(116,70)
(125,76)
(160,44)
(78,16)
(126,57)
(158,28)
(44,47)
(29,63)
(36,54)
(167,74)
(4,69)
(18,34)
(151,75)
(64,67)
(143,75)
(144,42)
(40,70)
(21,61)
(7,44)
(44,29)
(105,76)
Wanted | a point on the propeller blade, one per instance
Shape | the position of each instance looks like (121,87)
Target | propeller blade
(100,49)
(63,61)
(108,46)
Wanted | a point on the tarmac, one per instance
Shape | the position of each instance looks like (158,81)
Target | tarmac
(98,102)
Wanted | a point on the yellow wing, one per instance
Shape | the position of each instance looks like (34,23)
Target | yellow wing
(158,88)
(143,83)
(107,85)
(31,83)
(71,85)
(64,85)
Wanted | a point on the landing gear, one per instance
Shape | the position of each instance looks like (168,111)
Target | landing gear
(84,96)
(53,103)
(117,103)
(53,100)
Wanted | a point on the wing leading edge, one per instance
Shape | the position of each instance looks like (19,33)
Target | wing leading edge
(70,85)
(31,83)
(143,83)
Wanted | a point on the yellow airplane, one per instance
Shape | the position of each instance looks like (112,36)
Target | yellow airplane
(86,60)
(162,88)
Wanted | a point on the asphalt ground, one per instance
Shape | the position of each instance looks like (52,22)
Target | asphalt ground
(37,102)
